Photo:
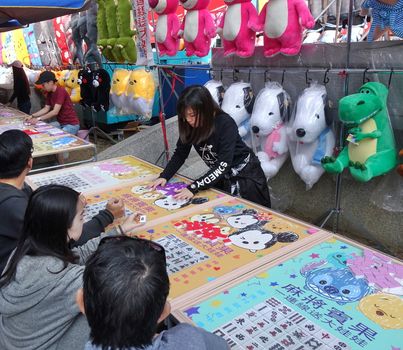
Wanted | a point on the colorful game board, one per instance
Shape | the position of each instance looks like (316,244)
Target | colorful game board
(331,296)
(233,235)
(56,144)
(154,204)
(92,177)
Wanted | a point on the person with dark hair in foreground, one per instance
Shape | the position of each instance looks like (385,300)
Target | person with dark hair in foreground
(15,163)
(124,297)
(39,285)
(234,168)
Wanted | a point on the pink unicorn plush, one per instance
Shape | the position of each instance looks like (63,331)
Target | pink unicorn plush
(238,28)
(283,34)
(166,31)
(197,28)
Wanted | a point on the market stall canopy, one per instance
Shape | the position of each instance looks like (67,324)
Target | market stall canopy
(17,13)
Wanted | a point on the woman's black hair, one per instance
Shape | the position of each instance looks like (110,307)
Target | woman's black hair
(49,215)
(199,99)
(21,80)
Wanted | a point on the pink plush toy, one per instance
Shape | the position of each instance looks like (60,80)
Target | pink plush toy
(283,34)
(197,28)
(166,31)
(238,28)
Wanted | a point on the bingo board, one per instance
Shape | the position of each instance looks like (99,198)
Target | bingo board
(232,238)
(154,204)
(57,144)
(92,177)
(335,295)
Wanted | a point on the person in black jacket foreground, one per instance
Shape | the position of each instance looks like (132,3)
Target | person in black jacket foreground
(15,163)
(234,168)
(21,89)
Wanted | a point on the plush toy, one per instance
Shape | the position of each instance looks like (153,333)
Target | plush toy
(386,15)
(56,55)
(92,54)
(238,103)
(61,41)
(125,40)
(103,31)
(270,112)
(102,85)
(166,31)
(33,50)
(66,20)
(371,149)
(216,89)
(111,18)
(73,86)
(78,29)
(1,51)
(283,22)
(310,137)
(87,92)
(120,80)
(140,92)
(64,76)
(197,27)
(32,75)
(238,28)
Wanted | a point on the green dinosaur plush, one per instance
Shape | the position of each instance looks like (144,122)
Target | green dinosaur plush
(371,149)
(125,41)
(113,34)
(103,31)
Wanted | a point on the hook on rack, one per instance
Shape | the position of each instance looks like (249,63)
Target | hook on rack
(365,79)
(390,77)
(235,75)
(326,78)
(307,79)
(266,78)
(282,77)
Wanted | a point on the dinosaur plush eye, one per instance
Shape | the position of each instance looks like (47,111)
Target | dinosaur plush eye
(237,106)
(317,116)
(271,113)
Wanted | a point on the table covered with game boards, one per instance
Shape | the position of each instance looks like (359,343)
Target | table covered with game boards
(258,278)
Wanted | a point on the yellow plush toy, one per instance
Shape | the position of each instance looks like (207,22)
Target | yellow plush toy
(120,80)
(73,86)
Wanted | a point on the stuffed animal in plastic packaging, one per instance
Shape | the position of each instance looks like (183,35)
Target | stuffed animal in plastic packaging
(33,50)
(77,21)
(6,78)
(140,92)
(283,22)
(73,86)
(216,89)
(125,40)
(20,47)
(8,53)
(197,27)
(309,133)
(166,30)
(120,80)
(371,149)
(86,87)
(45,38)
(102,86)
(269,132)
(90,36)
(238,103)
(238,28)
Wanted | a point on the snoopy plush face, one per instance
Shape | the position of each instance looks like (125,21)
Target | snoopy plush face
(253,239)
(310,118)
(235,100)
(170,203)
(242,220)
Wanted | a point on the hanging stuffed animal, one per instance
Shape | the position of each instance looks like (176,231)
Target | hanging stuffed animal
(86,87)
(166,30)
(53,48)
(103,31)
(238,28)
(102,85)
(8,53)
(371,149)
(66,20)
(125,40)
(120,80)
(310,137)
(33,50)
(238,103)
(216,89)
(61,41)
(20,47)
(197,27)
(111,19)
(283,22)
(385,16)
(73,86)
(270,112)
(92,54)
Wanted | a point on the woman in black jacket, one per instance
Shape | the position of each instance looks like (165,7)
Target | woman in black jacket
(21,88)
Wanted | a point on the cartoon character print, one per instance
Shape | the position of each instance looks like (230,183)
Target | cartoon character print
(170,203)
(149,196)
(210,218)
(336,284)
(140,189)
(208,155)
(338,259)
(384,309)
(248,217)
(255,238)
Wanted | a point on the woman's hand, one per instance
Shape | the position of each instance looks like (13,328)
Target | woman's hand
(158,182)
(131,222)
(183,194)
(116,207)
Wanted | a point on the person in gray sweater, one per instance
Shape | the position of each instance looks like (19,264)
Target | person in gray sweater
(15,163)
(124,297)
(39,285)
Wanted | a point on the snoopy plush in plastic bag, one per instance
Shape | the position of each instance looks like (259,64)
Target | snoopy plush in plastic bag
(269,132)
(310,137)
(216,89)
(238,103)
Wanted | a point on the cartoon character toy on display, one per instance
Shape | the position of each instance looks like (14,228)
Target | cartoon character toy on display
(309,135)
(167,28)
(238,103)
(283,22)
(238,28)
(73,86)
(371,149)
(269,131)
(86,87)
(197,28)
(120,80)
(125,40)
(102,86)
(216,89)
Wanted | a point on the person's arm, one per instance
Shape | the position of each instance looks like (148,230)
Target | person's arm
(50,113)
(41,112)
(12,98)
(180,155)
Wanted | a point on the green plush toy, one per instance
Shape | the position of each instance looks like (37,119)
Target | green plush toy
(113,34)
(103,31)
(371,149)
(125,40)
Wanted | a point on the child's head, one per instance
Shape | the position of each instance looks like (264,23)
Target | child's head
(15,153)
(125,290)
(196,110)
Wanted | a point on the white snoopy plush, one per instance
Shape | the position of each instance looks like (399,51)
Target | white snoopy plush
(309,135)
(216,89)
(269,132)
(238,103)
